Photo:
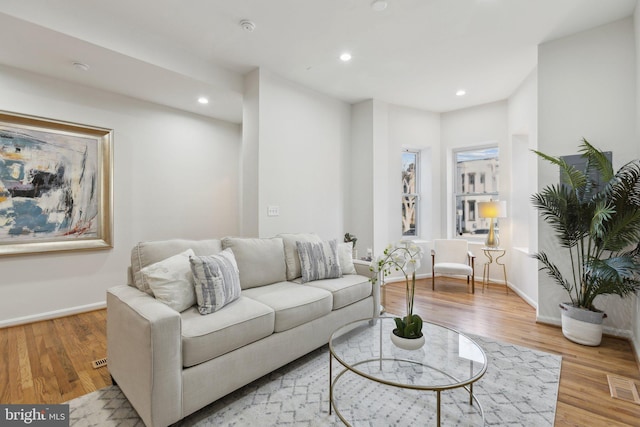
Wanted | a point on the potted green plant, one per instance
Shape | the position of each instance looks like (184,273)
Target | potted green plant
(404,257)
(599,227)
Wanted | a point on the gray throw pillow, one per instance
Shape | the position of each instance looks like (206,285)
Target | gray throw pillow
(216,280)
(319,260)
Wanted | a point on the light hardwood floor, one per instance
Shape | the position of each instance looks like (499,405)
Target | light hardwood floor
(50,361)
(583,397)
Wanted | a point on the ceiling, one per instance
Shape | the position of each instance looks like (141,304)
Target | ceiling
(415,53)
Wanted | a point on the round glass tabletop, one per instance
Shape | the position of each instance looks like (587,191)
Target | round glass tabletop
(448,359)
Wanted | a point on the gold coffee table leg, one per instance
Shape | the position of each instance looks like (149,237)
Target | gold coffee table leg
(438,393)
(330,385)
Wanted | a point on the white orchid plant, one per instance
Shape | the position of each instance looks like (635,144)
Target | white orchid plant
(404,257)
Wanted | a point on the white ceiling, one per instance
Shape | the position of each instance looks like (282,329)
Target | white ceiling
(415,53)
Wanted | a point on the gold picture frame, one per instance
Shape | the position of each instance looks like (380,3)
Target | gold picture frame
(55,185)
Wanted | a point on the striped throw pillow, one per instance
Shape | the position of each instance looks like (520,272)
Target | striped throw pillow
(216,278)
(319,260)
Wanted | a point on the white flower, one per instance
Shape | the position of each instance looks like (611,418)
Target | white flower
(413,265)
(404,256)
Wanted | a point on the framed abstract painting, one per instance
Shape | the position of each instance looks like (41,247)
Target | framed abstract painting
(55,185)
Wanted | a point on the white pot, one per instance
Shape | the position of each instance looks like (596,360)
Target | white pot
(582,326)
(407,343)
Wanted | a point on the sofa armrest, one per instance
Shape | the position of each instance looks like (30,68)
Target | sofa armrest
(363,269)
(144,354)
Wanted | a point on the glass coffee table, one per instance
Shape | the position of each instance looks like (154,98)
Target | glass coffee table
(448,360)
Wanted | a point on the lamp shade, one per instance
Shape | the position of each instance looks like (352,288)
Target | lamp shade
(492,209)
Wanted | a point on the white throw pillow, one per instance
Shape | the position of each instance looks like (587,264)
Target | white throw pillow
(217,282)
(292,258)
(171,281)
(345,255)
(319,260)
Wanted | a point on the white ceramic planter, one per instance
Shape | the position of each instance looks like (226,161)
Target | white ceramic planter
(582,326)
(407,343)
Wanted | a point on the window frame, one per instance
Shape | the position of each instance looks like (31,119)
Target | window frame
(416,194)
(459,215)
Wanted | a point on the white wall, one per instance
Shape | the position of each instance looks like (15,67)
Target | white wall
(379,132)
(636,27)
(419,130)
(587,88)
(175,174)
(304,154)
(476,126)
(360,189)
(249,166)
(523,134)
(382,179)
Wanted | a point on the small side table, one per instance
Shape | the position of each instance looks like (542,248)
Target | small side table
(493,254)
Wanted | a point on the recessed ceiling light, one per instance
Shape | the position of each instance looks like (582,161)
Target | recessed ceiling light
(203,100)
(247,25)
(461,92)
(345,57)
(81,66)
(379,5)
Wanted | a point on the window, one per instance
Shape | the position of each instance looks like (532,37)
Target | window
(410,192)
(469,164)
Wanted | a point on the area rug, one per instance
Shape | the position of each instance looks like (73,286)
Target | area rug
(519,388)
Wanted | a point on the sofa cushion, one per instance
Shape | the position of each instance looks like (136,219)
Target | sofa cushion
(147,253)
(291,251)
(294,304)
(345,255)
(216,280)
(346,289)
(240,323)
(171,281)
(319,260)
(260,261)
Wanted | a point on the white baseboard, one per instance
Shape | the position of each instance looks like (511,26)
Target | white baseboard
(549,320)
(395,279)
(524,296)
(52,314)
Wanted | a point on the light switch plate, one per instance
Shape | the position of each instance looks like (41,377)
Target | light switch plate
(273,210)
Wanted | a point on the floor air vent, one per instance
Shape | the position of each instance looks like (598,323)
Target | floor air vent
(623,388)
(99,363)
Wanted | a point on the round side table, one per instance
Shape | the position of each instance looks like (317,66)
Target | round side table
(493,254)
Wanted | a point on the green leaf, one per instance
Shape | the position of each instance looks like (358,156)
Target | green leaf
(597,159)
(399,326)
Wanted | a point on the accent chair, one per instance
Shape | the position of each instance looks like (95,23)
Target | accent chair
(452,257)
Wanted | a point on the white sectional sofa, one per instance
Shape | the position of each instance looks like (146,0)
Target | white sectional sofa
(169,363)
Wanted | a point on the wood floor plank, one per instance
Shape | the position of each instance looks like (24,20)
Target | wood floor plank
(26,381)
(14,366)
(5,389)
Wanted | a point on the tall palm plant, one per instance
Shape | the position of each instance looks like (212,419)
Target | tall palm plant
(599,227)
